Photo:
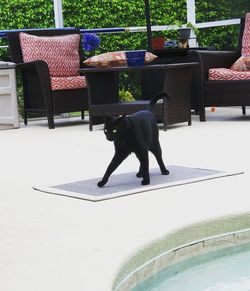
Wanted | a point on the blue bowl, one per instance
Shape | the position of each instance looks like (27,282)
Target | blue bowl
(135,58)
(135,54)
(135,62)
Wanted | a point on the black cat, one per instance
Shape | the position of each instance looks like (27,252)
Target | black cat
(137,133)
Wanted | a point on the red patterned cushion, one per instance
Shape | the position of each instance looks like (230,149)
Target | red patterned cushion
(246,37)
(64,83)
(61,53)
(114,59)
(227,74)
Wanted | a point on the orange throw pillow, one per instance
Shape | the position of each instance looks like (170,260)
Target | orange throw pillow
(242,64)
(114,59)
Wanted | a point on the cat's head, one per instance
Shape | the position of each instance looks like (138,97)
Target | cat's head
(115,128)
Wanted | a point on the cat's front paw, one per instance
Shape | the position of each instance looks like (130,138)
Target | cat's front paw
(101,183)
(165,172)
(145,182)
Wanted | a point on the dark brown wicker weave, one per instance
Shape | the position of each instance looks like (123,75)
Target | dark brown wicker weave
(103,89)
(219,93)
(38,96)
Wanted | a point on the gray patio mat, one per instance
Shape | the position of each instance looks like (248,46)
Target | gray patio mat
(128,184)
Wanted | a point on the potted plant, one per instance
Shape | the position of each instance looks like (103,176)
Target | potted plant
(187,33)
(158,42)
(184,32)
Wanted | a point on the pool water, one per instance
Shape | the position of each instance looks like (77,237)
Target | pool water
(224,270)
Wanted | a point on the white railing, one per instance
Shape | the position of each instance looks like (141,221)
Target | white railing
(198,25)
(173,27)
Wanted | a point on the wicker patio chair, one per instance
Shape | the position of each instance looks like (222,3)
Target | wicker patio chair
(43,93)
(216,83)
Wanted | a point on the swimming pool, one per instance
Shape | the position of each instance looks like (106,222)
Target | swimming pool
(151,264)
(225,270)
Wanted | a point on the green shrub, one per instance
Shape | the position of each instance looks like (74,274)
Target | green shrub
(125,95)
(20,14)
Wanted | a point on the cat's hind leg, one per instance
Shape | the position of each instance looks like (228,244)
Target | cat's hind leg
(156,150)
(142,156)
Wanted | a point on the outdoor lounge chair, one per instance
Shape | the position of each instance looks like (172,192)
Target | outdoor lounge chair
(220,80)
(48,60)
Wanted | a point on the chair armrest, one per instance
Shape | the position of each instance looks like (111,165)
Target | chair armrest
(213,59)
(39,66)
(39,69)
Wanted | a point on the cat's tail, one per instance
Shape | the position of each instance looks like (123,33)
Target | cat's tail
(162,95)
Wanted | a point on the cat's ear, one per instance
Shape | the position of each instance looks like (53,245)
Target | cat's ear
(123,116)
(121,119)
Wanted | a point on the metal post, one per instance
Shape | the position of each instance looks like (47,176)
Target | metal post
(191,11)
(148,20)
(192,19)
(58,13)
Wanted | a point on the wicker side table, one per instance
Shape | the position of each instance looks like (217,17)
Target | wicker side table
(103,92)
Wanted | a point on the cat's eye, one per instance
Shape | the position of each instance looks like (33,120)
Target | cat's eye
(105,130)
(114,130)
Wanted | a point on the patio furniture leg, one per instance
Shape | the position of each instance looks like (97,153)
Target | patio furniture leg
(51,123)
(202,114)
(25,118)
(244,110)
(90,122)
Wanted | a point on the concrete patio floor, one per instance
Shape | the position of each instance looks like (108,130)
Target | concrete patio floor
(50,242)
